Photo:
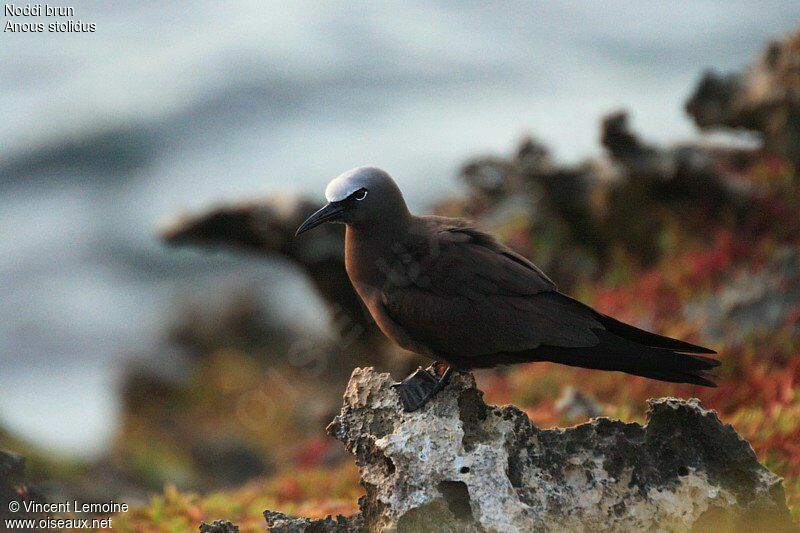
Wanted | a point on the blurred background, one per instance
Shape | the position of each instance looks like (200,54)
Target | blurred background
(158,326)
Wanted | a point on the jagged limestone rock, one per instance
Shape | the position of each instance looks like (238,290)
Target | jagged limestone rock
(752,302)
(267,227)
(219,526)
(764,98)
(281,523)
(462,465)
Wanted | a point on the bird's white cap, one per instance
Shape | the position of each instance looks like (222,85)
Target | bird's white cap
(349,182)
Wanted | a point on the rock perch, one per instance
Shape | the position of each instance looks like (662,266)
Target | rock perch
(462,465)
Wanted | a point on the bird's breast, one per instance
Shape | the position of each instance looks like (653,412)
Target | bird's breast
(370,271)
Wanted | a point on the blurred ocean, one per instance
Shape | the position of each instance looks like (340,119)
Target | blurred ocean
(172,106)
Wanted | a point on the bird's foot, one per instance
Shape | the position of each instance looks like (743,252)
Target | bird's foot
(418,388)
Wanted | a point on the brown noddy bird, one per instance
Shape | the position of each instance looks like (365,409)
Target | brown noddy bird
(442,288)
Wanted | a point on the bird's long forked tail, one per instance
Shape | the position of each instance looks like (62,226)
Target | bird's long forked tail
(673,361)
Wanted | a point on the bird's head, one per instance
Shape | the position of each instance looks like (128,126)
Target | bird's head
(361,196)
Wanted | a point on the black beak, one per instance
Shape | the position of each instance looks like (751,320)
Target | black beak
(325,214)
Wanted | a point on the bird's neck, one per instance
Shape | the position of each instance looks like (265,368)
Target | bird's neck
(369,246)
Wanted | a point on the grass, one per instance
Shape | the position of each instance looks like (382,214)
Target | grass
(314,492)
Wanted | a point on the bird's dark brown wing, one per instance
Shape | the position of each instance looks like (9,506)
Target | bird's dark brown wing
(458,294)
(459,291)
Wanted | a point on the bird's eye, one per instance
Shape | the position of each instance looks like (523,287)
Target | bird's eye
(360,195)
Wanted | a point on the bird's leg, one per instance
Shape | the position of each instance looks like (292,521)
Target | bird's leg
(418,388)
(443,380)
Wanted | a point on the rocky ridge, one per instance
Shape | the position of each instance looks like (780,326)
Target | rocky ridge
(462,465)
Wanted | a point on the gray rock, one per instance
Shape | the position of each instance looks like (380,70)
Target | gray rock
(281,523)
(462,465)
(574,403)
(267,227)
(765,98)
(219,526)
(752,302)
